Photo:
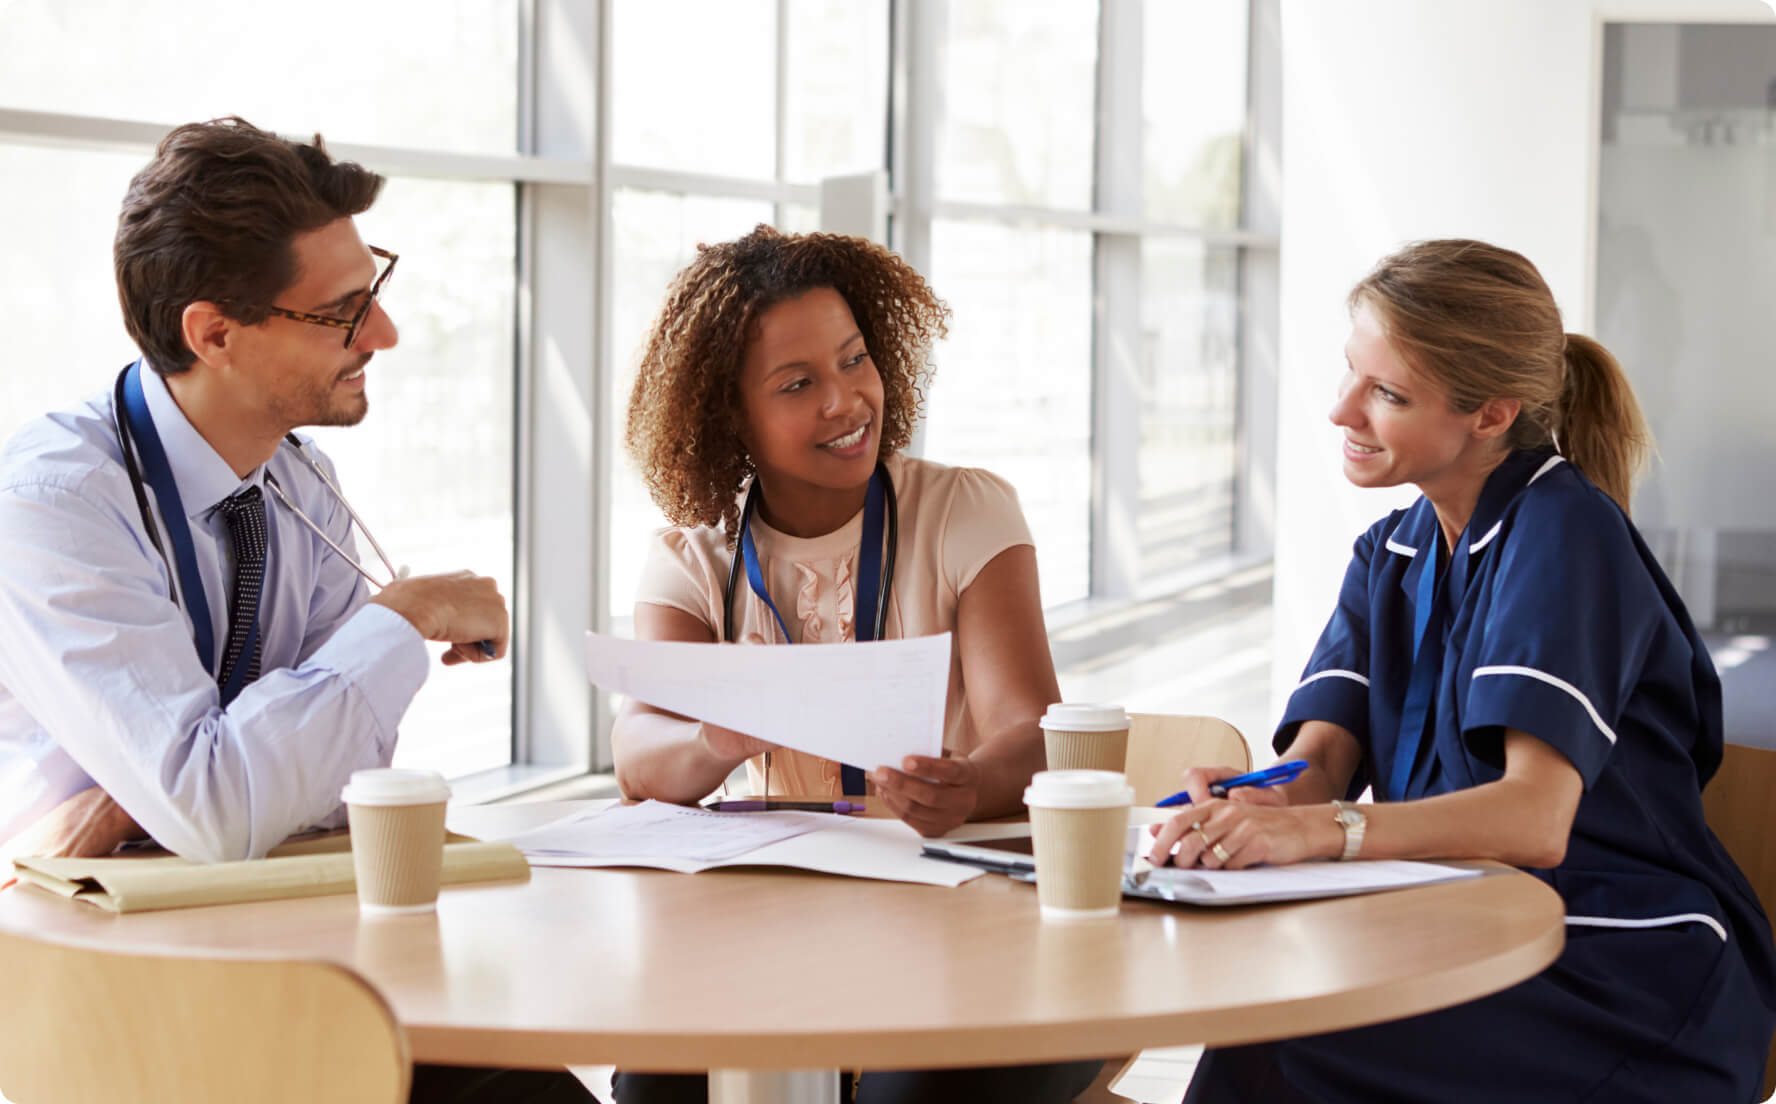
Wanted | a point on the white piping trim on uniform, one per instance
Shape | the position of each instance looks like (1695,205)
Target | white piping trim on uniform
(1395,546)
(1558,683)
(1553,461)
(1487,539)
(1317,675)
(1649,922)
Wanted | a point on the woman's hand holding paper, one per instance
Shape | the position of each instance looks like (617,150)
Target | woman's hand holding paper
(930,794)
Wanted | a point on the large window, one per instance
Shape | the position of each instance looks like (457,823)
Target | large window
(1013,388)
(1089,230)
(1073,177)
(431,467)
(700,156)
(437,74)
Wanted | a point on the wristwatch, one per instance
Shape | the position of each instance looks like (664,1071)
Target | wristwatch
(1354,823)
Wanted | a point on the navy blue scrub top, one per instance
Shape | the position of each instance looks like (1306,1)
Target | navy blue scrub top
(1554,619)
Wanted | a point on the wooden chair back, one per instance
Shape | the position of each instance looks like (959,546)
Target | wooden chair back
(1162,746)
(1740,802)
(79,1024)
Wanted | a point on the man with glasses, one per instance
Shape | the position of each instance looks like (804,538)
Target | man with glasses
(189,650)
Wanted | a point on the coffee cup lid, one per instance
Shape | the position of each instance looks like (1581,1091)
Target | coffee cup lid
(1085,717)
(395,786)
(1078,789)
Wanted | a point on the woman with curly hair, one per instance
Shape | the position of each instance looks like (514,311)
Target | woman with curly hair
(793,367)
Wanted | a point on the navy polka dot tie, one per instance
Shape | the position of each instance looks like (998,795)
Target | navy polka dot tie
(245,514)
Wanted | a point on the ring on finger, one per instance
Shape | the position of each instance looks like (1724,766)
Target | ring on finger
(1220,853)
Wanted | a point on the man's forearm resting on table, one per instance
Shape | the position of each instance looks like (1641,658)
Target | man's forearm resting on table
(213,784)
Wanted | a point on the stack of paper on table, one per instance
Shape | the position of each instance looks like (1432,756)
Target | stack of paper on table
(982,844)
(673,837)
(1295,882)
(305,867)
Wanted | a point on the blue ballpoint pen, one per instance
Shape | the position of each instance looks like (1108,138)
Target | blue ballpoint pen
(1270,776)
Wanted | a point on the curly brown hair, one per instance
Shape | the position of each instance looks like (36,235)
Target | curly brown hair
(683,430)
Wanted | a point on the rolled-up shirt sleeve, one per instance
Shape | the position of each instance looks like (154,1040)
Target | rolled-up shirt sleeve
(95,651)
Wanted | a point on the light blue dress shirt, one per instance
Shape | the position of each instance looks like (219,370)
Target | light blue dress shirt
(100,681)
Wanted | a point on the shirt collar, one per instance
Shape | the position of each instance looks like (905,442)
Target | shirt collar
(1418,532)
(1506,482)
(203,477)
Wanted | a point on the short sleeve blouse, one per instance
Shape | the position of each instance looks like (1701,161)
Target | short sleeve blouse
(953,522)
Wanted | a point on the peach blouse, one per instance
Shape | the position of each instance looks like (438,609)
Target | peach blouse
(953,521)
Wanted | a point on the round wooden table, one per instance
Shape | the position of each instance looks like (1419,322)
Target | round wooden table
(780,970)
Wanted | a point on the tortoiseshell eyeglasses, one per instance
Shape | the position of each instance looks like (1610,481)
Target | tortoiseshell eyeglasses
(356,321)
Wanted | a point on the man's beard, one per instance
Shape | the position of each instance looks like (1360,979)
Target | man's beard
(322,406)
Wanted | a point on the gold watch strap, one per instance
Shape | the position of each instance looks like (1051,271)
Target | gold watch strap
(1355,825)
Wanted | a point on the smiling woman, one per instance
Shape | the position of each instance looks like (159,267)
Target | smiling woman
(1513,675)
(786,371)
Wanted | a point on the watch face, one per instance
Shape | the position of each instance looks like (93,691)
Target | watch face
(1350,818)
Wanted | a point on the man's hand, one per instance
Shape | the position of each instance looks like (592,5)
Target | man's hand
(87,825)
(460,608)
(932,795)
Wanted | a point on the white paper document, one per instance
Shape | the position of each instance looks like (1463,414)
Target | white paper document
(1286,883)
(868,704)
(672,837)
(657,830)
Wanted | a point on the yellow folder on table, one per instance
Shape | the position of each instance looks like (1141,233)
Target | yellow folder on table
(312,866)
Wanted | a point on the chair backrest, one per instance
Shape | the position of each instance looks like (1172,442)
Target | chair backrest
(1162,746)
(78,1025)
(1738,802)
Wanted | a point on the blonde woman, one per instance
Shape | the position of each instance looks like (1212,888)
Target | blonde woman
(1512,673)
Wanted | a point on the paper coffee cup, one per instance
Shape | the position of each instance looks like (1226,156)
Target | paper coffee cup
(397,837)
(1081,736)
(1079,819)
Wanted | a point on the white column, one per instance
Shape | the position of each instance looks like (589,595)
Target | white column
(1116,314)
(563,457)
(1254,501)
(916,99)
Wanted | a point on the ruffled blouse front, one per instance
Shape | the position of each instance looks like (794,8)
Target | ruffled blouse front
(953,521)
(818,574)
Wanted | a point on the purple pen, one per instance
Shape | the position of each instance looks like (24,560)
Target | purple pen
(774,806)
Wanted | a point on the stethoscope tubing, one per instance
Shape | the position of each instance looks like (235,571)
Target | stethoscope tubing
(126,442)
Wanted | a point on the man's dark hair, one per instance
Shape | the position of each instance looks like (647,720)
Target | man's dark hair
(212,218)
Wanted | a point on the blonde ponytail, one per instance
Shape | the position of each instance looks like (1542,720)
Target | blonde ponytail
(1601,430)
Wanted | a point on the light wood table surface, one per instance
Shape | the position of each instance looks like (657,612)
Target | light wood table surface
(781,970)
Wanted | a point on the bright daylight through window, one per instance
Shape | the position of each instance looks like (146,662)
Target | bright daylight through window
(1077,194)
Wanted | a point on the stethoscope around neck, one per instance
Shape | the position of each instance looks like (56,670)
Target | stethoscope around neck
(875,510)
(126,405)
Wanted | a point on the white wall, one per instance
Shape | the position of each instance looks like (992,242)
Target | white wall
(1409,119)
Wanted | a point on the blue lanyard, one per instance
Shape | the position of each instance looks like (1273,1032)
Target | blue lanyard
(159,475)
(1428,615)
(869,588)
